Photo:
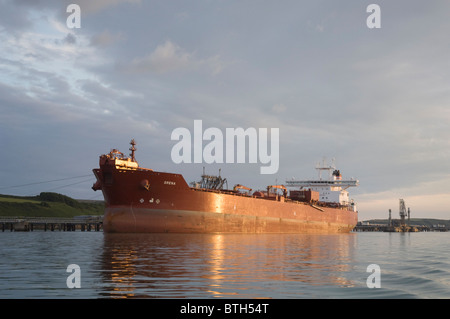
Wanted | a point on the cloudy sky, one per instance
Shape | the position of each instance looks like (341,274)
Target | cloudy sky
(375,100)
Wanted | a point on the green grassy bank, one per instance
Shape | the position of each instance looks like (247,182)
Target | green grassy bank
(48,205)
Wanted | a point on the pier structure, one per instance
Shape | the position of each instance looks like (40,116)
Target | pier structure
(401,225)
(91,223)
(361,227)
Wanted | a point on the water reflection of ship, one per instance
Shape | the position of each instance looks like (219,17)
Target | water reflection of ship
(223,265)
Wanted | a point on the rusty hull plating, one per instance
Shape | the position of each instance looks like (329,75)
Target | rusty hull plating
(142,200)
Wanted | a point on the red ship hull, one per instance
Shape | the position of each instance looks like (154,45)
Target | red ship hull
(142,200)
(148,220)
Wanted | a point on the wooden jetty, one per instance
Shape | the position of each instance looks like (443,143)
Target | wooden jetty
(89,223)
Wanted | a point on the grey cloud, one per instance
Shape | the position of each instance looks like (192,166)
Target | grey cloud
(88,6)
(170,57)
(374,99)
(70,39)
(106,38)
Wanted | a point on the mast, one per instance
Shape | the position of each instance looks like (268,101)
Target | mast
(409,217)
(325,167)
(402,211)
(390,220)
(132,149)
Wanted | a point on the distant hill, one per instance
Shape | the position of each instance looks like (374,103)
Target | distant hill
(48,205)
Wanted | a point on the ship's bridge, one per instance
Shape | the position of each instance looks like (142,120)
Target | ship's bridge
(331,190)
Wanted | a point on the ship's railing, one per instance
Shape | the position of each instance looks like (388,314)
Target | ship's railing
(306,183)
(220,191)
(287,199)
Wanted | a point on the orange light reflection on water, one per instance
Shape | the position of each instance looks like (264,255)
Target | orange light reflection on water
(223,265)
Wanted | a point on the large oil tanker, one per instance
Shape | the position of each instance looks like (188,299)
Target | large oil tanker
(142,200)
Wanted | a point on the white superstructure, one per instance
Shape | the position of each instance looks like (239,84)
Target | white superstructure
(331,190)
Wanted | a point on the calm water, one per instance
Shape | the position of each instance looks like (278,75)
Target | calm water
(413,265)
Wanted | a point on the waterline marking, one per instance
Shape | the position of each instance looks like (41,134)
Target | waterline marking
(213,152)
